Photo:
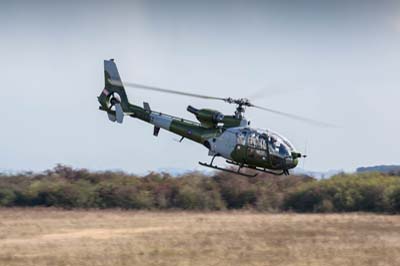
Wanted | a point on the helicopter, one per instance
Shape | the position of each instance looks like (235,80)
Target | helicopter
(226,136)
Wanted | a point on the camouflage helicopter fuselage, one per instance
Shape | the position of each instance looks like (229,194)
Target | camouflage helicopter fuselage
(223,135)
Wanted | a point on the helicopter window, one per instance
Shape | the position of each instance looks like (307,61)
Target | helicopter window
(277,146)
(258,141)
(253,139)
(283,150)
(272,143)
(241,138)
(257,145)
(263,141)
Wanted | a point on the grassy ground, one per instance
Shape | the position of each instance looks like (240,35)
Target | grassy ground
(56,237)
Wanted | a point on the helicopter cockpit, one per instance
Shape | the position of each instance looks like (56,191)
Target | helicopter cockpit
(260,140)
(280,145)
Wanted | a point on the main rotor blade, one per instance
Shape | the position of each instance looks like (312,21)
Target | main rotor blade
(152,88)
(228,100)
(297,117)
(272,92)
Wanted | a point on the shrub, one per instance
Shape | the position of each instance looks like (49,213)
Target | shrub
(357,192)
(79,188)
(7,197)
(393,199)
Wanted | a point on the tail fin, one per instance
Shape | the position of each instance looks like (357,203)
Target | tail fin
(113,98)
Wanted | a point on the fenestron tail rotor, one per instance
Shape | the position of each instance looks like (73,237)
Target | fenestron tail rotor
(115,103)
(241,102)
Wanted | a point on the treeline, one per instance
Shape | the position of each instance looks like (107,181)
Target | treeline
(79,188)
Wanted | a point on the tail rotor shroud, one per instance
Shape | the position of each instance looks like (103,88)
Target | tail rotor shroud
(115,113)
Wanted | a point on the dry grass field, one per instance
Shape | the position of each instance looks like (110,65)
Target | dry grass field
(56,237)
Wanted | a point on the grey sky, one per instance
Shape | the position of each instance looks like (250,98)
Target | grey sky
(335,61)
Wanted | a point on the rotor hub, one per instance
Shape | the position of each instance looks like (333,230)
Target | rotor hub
(241,104)
(240,101)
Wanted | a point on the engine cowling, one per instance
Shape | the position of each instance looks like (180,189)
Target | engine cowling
(207,117)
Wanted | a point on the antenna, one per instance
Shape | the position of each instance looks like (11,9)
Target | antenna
(305,154)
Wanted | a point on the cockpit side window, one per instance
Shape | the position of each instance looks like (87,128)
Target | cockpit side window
(272,144)
(262,143)
(252,140)
(241,137)
(255,140)
(277,146)
(283,151)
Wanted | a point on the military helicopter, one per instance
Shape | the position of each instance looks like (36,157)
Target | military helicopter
(227,136)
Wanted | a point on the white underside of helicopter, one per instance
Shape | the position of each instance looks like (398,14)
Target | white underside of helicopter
(160,120)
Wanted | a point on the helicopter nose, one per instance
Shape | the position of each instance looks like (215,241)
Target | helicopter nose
(295,163)
(291,162)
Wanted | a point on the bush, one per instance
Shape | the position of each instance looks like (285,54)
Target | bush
(7,197)
(357,192)
(79,188)
(393,200)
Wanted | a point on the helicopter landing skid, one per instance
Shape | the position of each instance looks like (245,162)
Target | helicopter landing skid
(226,170)
(284,172)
